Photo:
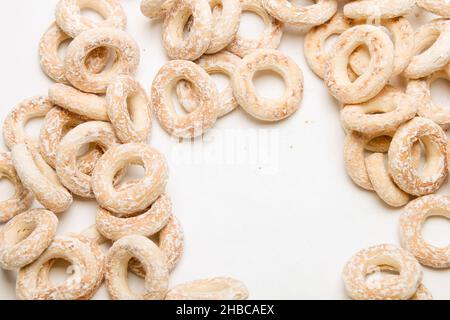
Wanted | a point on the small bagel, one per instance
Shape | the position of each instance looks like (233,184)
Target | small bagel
(129,110)
(14,125)
(134,197)
(434,38)
(145,224)
(37,176)
(72,22)
(22,198)
(374,79)
(209,289)
(411,222)
(401,162)
(438,7)
(420,91)
(245,92)
(403,38)
(315,53)
(25,237)
(127,61)
(51,63)
(153,260)
(197,42)
(399,287)
(170,241)
(86,259)
(311,15)
(203,117)
(378,9)
(87,105)
(222,62)
(271,37)
(156,9)
(386,112)
(382,183)
(100,133)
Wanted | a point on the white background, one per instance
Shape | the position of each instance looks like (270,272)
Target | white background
(287,234)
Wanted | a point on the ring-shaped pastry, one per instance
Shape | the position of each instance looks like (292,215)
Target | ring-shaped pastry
(378,9)
(129,110)
(311,15)
(126,62)
(146,224)
(245,92)
(411,222)
(400,287)
(37,176)
(198,40)
(401,162)
(203,117)
(153,261)
(70,19)
(25,237)
(269,39)
(135,197)
(87,262)
(100,133)
(374,79)
(22,199)
(438,7)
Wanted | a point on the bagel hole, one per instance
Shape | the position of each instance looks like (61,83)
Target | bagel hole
(62,48)
(14,236)
(60,271)
(436,229)
(440,92)
(380,273)
(216,8)
(179,101)
(135,283)
(252,25)
(379,144)
(33,126)
(131,173)
(429,158)
(7,189)
(302,3)
(137,106)
(109,65)
(330,42)
(187,26)
(92,14)
(221,80)
(269,84)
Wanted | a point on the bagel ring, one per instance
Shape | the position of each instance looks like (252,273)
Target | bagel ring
(400,287)
(153,260)
(311,15)
(209,289)
(403,38)
(315,53)
(271,37)
(401,162)
(100,133)
(134,197)
(382,183)
(434,38)
(262,108)
(438,7)
(222,62)
(51,63)
(374,79)
(37,176)
(197,42)
(145,224)
(170,241)
(420,91)
(386,112)
(22,198)
(14,125)
(127,61)
(129,109)
(203,117)
(87,261)
(25,237)
(84,104)
(72,22)
(378,9)
(155,9)
(411,222)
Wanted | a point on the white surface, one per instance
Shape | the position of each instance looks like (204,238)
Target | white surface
(286,233)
